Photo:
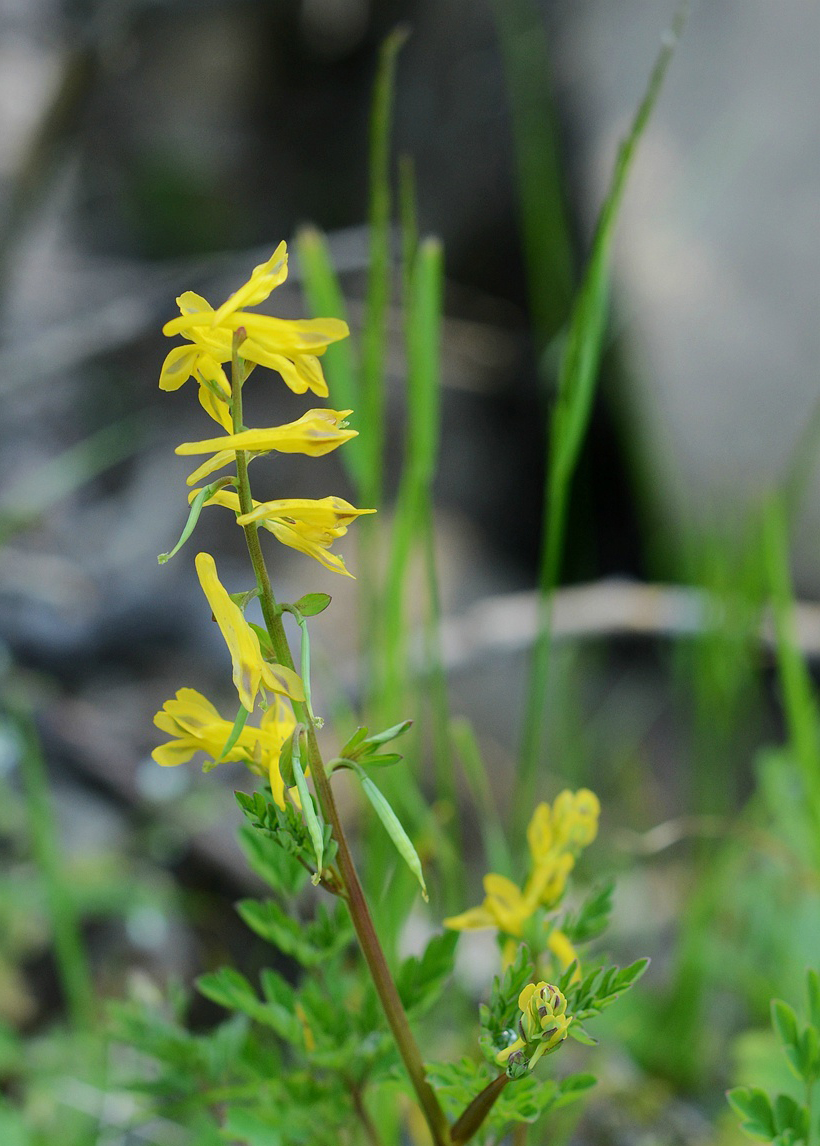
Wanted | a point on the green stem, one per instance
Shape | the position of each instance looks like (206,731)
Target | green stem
(69,949)
(354,895)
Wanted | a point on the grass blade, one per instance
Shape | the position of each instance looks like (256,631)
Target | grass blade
(374,336)
(801,709)
(545,228)
(577,381)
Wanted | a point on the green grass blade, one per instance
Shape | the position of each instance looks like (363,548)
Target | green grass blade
(545,228)
(374,336)
(801,709)
(423,336)
(466,745)
(576,390)
(70,953)
(325,299)
(409,222)
(31,495)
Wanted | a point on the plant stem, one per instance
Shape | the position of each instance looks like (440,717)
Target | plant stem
(354,895)
(69,949)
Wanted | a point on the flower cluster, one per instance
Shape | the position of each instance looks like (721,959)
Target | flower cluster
(556,835)
(214,337)
(543,1026)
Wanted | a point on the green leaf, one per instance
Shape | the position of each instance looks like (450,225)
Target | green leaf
(500,1015)
(312,604)
(285,826)
(380,738)
(310,944)
(247,1129)
(753,1107)
(573,1087)
(592,917)
(600,988)
(271,862)
(353,743)
(791,1115)
(384,760)
(421,979)
(808,1053)
(581,1035)
(229,989)
(275,926)
(784,1021)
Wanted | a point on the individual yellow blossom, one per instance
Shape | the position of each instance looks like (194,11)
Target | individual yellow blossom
(250,670)
(196,726)
(316,433)
(292,347)
(555,836)
(309,525)
(575,819)
(544,1024)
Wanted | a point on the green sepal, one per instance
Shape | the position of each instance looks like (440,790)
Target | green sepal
(312,604)
(193,515)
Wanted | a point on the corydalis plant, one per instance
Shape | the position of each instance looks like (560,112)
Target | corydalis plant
(332,1054)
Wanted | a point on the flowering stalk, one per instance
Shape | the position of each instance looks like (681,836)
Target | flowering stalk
(352,888)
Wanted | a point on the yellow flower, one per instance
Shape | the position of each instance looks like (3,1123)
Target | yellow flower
(250,670)
(289,346)
(196,726)
(317,432)
(544,1024)
(555,836)
(575,819)
(309,525)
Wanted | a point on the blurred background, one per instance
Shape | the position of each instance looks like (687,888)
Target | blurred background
(152,147)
